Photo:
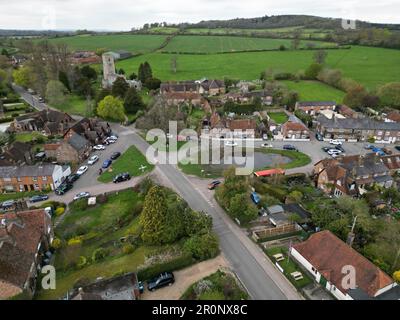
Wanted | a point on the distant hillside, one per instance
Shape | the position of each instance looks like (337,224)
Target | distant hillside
(282,21)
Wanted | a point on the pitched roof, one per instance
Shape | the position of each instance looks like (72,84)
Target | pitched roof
(316,103)
(394,116)
(358,123)
(294,126)
(242,124)
(328,254)
(77,142)
(27,171)
(19,242)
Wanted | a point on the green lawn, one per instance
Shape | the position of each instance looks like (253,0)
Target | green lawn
(131,43)
(370,66)
(218,44)
(298,159)
(278,117)
(130,161)
(29,136)
(289,266)
(315,91)
(18,195)
(73,105)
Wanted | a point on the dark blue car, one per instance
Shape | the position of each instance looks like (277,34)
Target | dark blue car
(255,197)
(106,164)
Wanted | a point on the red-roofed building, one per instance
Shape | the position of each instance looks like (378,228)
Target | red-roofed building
(269,173)
(25,238)
(295,131)
(327,258)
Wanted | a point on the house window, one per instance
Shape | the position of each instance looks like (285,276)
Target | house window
(7,179)
(380,133)
(44,178)
(36,186)
(19,179)
(34,179)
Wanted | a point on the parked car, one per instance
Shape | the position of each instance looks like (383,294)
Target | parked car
(326,149)
(92,160)
(115,155)
(340,148)
(82,195)
(289,147)
(369,147)
(397,148)
(319,136)
(162,280)
(265,137)
(99,147)
(267,145)
(214,185)
(378,151)
(41,100)
(334,151)
(107,163)
(82,170)
(231,144)
(8,204)
(122,177)
(387,151)
(113,137)
(263,212)
(62,189)
(255,198)
(38,198)
(72,178)
(335,142)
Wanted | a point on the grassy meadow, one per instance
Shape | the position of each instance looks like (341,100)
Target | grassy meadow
(315,90)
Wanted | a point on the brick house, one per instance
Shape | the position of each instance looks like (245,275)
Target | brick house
(244,98)
(203,87)
(74,149)
(92,129)
(25,238)
(50,121)
(32,178)
(226,128)
(393,116)
(350,175)
(295,131)
(313,108)
(18,153)
(392,162)
(358,129)
(325,256)
(178,98)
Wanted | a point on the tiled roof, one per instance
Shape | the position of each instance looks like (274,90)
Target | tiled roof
(358,124)
(19,243)
(78,142)
(394,116)
(328,254)
(316,103)
(27,171)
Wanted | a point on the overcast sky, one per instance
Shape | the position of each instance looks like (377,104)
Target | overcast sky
(125,14)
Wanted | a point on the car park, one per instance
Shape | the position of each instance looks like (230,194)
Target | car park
(99,147)
(122,177)
(289,147)
(162,280)
(92,160)
(72,178)
(213,185)
(82,170)
(115,155)
(335,142)
(62,189)
(38,198)
(82,195)
(107,163)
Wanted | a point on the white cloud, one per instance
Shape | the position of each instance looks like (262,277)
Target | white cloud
(124,14)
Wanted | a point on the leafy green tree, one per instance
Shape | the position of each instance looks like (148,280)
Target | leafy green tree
(145,72)
(56,93)
(23,76)
(63,78)
(313,70)
(89,72)
(133,76)
(196,222)
(111,108)
(202,247)
(119,87)
(240,208)
(152,83)
(153,219)
(102,94)
(389,95)
(320,56)
(133,102)
(4,52)
(233,185)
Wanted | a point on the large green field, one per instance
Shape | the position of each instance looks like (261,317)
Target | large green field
(218,44)
(132,43)
(369,66)
(314,90)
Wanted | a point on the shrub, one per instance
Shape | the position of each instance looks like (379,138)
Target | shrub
(99,254)
(128,249)
(56,244)
(202,247)
(80,205)
(81,262)
(74,241)
(138,208)
(152,271)
(102,198)
(59,211)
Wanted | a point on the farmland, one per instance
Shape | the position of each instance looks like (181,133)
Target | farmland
(314,90)
(370,66)
(219,44)
(131,43)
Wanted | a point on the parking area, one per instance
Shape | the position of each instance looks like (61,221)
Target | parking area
(185,278)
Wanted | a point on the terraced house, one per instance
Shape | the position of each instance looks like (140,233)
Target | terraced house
(32,178)
(350,175)
(360,129)
(313,108)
